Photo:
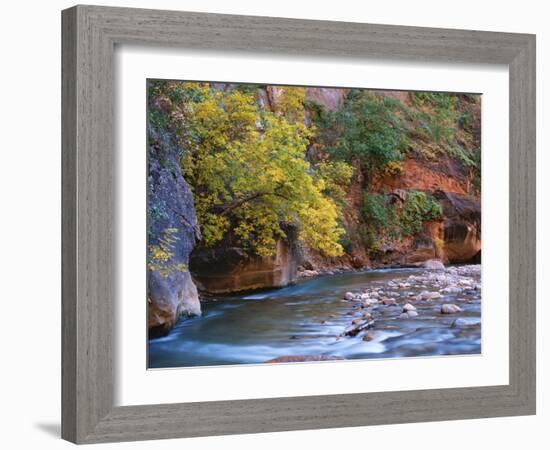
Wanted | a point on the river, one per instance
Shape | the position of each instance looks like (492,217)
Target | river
(310,317)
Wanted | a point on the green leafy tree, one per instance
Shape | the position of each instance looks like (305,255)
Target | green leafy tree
(371,129)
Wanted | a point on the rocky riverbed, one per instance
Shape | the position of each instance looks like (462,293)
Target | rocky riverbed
(372,314)
(430,294)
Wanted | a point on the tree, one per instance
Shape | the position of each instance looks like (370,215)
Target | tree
(369,128)
(247,166)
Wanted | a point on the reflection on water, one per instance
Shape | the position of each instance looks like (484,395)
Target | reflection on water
(309,318)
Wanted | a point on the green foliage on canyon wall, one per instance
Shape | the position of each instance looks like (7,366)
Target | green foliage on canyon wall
(379,130)
(376,131)
(368,128)
(383,216)
(259,159)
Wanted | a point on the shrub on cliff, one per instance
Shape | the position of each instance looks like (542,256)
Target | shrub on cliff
(419,207)
(382,219)
(438,114)
(369,128)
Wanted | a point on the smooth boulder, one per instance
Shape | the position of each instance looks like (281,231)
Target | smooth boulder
(449,308)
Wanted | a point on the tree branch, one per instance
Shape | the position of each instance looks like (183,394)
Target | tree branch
(226,209)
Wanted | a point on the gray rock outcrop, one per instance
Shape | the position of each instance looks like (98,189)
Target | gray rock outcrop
(173,228)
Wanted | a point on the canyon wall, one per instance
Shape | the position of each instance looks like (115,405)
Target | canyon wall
(438,170)
(173,232)
(231,269)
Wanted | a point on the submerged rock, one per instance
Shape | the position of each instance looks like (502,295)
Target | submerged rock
(369,336)
(465,322)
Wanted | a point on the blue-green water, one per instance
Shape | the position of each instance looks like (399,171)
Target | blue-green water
(308,319)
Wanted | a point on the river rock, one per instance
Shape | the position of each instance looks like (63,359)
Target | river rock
(388,301)
(451,290)
(433,264)
(308,273)
(349,296)
(426,295)
(449,308)
(408,315)
(408,307)
(465,322)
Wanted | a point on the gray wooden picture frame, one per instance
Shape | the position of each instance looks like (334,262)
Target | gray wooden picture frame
(90,34)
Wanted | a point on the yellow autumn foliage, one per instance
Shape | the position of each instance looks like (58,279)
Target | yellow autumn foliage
(248,170)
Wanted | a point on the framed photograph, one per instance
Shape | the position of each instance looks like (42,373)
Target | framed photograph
(279,224)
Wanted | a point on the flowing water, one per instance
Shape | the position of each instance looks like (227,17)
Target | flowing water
(309,318)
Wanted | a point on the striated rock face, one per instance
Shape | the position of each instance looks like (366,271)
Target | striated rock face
(171,291)
(462,227)
(454,239)
(422,176)
(330,98)
(230,269)
(425,247)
